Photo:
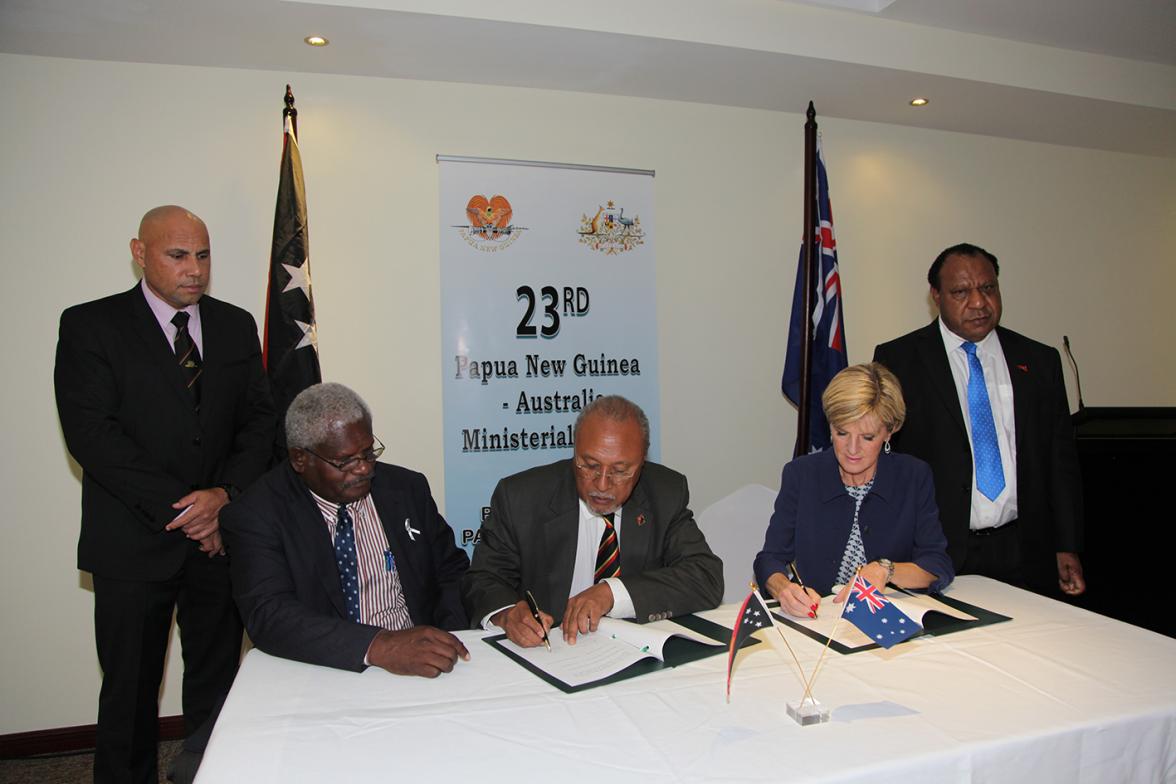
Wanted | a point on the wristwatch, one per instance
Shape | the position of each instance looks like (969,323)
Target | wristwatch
(889,564)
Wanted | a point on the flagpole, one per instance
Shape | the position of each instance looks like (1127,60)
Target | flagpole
(810,248)
(292,113)
(290,350)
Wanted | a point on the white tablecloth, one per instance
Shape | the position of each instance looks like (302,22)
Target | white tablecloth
(1055,695)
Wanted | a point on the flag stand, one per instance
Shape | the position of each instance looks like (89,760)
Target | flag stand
(808,711)
(753,615)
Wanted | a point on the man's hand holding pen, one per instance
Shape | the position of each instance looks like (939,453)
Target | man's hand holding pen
(520,625)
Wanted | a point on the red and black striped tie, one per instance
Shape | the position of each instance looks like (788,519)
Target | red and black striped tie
(187,355)
(608,554)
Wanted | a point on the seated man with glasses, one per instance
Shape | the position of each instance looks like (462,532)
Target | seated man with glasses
(604,533)
(339,560)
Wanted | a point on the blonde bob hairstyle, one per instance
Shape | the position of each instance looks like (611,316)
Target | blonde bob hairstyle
(860,390)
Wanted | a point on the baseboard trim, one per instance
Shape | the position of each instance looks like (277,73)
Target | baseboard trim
(80,738)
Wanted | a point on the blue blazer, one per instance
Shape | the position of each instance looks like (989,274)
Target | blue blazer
(899,520)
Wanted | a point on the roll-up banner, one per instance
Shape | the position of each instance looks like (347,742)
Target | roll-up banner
(548,300)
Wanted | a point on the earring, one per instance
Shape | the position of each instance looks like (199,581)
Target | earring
(886,447)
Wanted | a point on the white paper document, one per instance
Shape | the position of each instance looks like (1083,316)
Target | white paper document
(615,645)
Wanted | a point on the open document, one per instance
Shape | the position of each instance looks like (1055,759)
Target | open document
(618,650)
(937,615)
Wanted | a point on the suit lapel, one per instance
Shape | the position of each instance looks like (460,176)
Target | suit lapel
(396,517)
(636,531)
(213,338)
(560,538)
(155,345)
(1018,362)
(310,532)
(934,359)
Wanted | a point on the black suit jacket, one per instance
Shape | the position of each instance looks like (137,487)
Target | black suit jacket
(529,543)
(286,581)
(129,421)
(1049,482)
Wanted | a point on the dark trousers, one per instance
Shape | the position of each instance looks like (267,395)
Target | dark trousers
(132,624)
(996,555)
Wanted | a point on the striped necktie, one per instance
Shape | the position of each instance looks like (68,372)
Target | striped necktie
(608,554)
(188,356)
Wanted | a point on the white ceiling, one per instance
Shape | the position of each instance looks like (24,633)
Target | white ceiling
(1134,29)
(1088,73)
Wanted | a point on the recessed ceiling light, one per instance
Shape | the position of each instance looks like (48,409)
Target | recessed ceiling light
(919,102)
(316,40)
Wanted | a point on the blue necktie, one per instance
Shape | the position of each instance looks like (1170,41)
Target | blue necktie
(348,566)
(985,450)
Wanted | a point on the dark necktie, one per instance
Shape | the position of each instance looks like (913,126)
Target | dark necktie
(188,356)
(608,554)
(348,566)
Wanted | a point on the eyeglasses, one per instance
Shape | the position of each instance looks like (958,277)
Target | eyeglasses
(613,476)
(370,456)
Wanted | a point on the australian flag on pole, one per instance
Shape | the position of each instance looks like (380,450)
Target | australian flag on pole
(291,336)
(828,351)
(868,609)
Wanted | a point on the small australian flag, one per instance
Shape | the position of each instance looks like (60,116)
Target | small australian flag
(868,609)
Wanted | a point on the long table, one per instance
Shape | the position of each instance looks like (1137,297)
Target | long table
(1056,694)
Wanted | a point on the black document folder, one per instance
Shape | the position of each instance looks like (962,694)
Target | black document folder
(935,624)
(677,651)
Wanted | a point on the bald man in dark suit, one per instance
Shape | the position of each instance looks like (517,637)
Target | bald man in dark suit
(164,404)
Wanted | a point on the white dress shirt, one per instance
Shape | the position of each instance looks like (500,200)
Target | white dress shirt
(587,545)
(591,528)
(988,513)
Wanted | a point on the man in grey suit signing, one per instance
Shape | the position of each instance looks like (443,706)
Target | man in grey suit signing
(604,533)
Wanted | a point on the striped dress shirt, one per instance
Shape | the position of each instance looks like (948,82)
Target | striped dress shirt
(381,599)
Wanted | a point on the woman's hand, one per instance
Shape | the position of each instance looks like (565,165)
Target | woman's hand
(874,573)
(796,601)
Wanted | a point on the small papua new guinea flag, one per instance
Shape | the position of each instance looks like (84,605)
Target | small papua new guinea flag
(753,616)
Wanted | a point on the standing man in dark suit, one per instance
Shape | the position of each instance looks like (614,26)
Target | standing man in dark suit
(164,404)
(605,533)
(342,561)
(986,407)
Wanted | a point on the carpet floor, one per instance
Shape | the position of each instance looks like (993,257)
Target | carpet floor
(76,767)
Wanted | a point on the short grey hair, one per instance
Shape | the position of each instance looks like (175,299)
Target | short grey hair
(319,409)
(618,409)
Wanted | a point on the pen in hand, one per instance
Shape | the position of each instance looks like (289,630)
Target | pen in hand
(533,606)
(800,582)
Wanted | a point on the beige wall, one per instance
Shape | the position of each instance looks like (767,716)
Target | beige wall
(1087,240)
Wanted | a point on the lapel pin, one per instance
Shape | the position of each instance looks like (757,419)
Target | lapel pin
(1023,368)
(640,519)
(408,529)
